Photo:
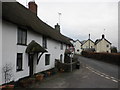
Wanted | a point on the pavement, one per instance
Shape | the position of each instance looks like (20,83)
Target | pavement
(85,77)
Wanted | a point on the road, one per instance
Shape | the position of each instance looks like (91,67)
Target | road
(106,68)
(92,74)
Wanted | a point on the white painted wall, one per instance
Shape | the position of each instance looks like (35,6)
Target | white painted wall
(86,45)
(0,49)
(54,50)
(102,46)
(77,46)
(10,50)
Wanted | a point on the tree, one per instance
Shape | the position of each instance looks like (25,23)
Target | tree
(113,49)
(7,72)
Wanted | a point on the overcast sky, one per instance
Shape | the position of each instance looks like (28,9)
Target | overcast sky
(80,17)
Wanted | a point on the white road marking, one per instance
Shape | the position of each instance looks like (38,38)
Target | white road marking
(107,77)
(102,74)
(115,81)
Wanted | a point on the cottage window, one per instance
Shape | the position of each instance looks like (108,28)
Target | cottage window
(22,36)
(19,61)
(47,59)
(107,46)
(44,42)
(61,46)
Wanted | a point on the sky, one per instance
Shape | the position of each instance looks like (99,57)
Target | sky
(80,17)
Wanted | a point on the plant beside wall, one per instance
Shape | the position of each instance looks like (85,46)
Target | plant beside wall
(26,82)
(7,74)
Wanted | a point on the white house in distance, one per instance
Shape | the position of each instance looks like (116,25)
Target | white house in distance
(102,45)
(28,44)
(77,46)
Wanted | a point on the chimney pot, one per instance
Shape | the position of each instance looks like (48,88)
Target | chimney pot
(57,27)
(103,36)
(33,6)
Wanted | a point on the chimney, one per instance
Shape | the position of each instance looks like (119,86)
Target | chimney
(32,6)
(103,36)
(57,27)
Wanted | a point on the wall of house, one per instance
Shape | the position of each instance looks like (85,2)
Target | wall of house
(102,46)
(54,51)
(77,46)
(86,45)
(0,49)
(10,50)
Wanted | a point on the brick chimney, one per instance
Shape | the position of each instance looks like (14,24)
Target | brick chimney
(32,6)
(57,28)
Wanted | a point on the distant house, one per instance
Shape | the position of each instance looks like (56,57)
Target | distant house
(77,45)
(88,45)
(28,44)
(102,45)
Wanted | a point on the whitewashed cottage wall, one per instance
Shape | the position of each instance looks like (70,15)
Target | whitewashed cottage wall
(10,50)
(0,50)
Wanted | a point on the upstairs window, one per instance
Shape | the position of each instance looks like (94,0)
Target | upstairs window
(21,36)
(19,61)
(61,46)
(107,45)
(44,42)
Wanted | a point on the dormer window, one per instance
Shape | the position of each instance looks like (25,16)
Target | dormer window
(21,36)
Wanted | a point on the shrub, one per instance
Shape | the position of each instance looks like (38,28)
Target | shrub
(106,57)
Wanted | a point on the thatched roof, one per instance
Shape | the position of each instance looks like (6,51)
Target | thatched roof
(17,14)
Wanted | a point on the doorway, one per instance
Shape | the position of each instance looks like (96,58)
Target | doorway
(31,57)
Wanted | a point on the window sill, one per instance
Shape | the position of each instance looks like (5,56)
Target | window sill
(19,70)
(22,44)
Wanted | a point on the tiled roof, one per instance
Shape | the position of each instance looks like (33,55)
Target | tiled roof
(98,40)
(84,41)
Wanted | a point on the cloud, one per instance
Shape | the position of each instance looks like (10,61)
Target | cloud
(81,17)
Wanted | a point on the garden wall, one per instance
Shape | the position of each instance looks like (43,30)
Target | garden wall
(66,66)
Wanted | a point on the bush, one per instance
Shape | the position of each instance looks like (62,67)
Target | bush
(106,57)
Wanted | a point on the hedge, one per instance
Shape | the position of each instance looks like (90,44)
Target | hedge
(113,58)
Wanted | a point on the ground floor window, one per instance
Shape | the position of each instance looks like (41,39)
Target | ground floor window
(19,61)
(47,59)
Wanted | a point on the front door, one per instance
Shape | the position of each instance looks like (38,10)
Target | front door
(31,57)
